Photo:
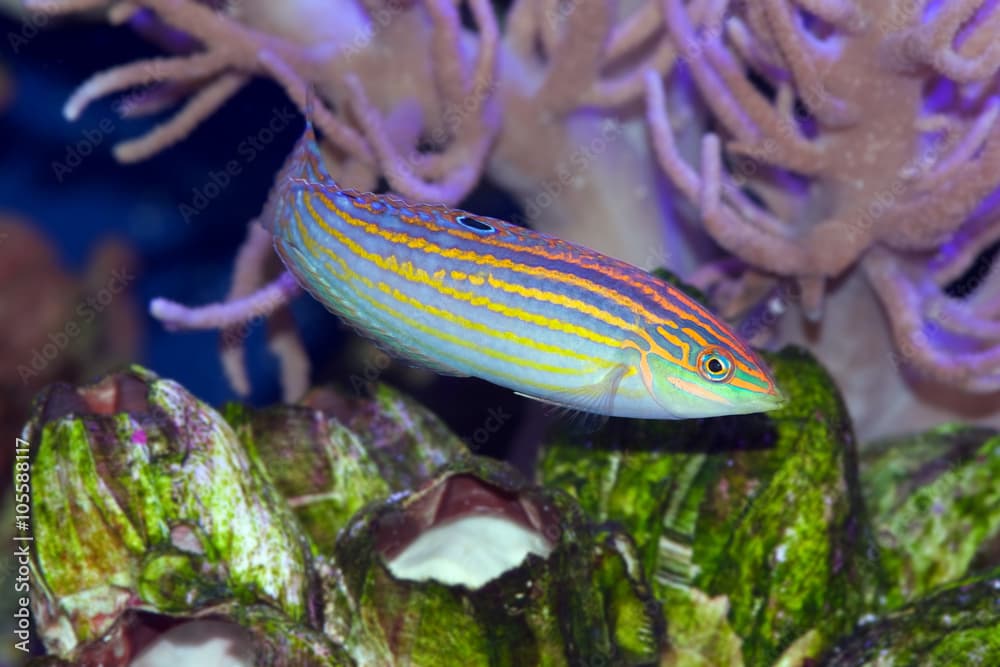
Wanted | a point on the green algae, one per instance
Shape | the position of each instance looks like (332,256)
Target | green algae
(264,635)
(764,510)
(957,625)
(732,541)
(408,442)
(585,601)
(318,464)
(935,504)
(112,487)
(700,633)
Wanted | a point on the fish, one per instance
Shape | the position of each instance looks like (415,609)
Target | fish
(469,295)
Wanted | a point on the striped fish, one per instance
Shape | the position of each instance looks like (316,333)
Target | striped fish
(474,296)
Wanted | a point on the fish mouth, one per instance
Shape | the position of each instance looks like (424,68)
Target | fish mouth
(773,399)
(764,401)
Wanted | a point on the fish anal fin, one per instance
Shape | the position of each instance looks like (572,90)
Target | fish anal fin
(588,406)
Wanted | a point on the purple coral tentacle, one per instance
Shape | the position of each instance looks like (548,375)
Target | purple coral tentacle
(227,314)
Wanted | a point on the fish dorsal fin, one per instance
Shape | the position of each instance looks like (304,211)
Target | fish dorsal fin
(304,166)
(306,162)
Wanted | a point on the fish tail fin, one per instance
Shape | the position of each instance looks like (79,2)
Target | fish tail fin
(303,166)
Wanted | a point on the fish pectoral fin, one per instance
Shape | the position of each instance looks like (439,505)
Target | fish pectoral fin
(593,403)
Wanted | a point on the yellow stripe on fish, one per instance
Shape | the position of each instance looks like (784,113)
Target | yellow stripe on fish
(469,295)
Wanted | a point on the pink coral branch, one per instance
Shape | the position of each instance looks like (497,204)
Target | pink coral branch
(66,6)
(450,69)
(776,134)
(962,250)
(926,220)
(802,60)
(749,48)
(635,30)
(154,70)
(962,318)
(261,303)
(627,86)
(401,175)
(547,23)
(734,100)
(201,105)
(334,130)
(974,371)
(230,46)
(447,176)
(964,149)
(937,38)
(248,276)
(843,14)
(476,124)
(284,342)
(156,98)
(522,28)
(780,255)
(691,48)
(576,60)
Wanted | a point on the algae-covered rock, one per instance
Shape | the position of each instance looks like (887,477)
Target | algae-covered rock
(935,505)
(700,633)
(319,465)
(361,532)
(332,454)
(764,510)
(955,626)
(232,634)
(143,499)
(406,440)
(478,567)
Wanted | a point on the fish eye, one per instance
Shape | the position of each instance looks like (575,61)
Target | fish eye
(475,224)
(715,364)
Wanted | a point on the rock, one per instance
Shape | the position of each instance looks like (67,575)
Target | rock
(406,440)
(935,504)
(478,567)
(145,501)
(956,625)
(762,513)
(318,464)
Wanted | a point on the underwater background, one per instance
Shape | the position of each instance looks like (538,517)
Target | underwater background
(139,206)
(858,525)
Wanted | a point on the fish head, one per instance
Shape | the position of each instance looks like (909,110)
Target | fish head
(690,376)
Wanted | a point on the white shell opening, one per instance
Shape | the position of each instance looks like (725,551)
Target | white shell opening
(213,643)
(470,550)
